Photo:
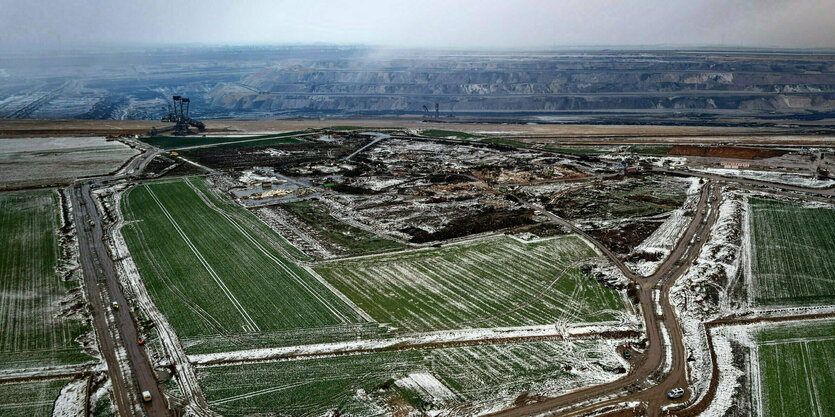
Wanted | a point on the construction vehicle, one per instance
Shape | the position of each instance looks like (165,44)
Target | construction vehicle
(179,115)
(822,172)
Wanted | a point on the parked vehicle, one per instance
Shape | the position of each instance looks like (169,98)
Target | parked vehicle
(676,392)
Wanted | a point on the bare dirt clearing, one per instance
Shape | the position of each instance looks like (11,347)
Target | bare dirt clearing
(50,161)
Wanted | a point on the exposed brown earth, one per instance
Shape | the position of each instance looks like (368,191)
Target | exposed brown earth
(69,127)
(726,152)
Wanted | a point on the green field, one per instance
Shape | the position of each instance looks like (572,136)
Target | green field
(175,142)
(31,291)
(26,399)
(797,370)
(214,269)
(437,133)
(649,149)
(465,378)
(792,253)
(490,282)
(506,142)
(353,240)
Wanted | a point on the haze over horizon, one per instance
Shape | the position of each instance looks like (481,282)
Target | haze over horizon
(533,24)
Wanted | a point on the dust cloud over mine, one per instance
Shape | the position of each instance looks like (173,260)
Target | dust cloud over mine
(457,208)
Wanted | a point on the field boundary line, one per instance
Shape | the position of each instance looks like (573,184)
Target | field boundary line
(810,380)
(461,337)
(269,390)
(796,340)
(206,265)
(339,315)
(756,381)
(339,294)
(13,406)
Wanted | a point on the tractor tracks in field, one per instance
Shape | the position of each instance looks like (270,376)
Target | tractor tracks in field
(646,381)
(287,270)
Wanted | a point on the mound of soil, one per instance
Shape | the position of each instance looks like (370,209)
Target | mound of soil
(624,239)
(732,152)
(485,221)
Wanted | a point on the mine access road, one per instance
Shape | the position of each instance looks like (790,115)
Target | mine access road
(116,329)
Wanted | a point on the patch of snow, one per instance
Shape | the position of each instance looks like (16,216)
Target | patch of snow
(444,336)
(789,178)
(662,241)
(257,175)
(71,400)
(718,264)
(427,386)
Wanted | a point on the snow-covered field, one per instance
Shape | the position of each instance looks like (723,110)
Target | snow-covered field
(37,161)
(40,318)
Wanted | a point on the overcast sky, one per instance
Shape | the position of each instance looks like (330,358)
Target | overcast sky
(521,24)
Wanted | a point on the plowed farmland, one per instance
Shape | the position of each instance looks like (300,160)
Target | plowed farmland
(36,327)
(793,253)
(491,282)
(216,270)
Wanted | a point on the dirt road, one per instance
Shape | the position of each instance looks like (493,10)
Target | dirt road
(116,328)
(118,331)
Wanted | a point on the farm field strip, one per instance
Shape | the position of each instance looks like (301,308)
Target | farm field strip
(191,249)
(231,297)
(34,332)
(419,340)
(491,282)
(301,282)
(448,376)
(792,253)
(25,399)
(796,374)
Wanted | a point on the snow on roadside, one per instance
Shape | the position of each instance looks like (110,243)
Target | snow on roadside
(129,275)
(71,400)
(728,375)
(699,293)
(661,242)
(789,178)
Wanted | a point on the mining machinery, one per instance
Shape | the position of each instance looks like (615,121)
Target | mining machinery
(179,115)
